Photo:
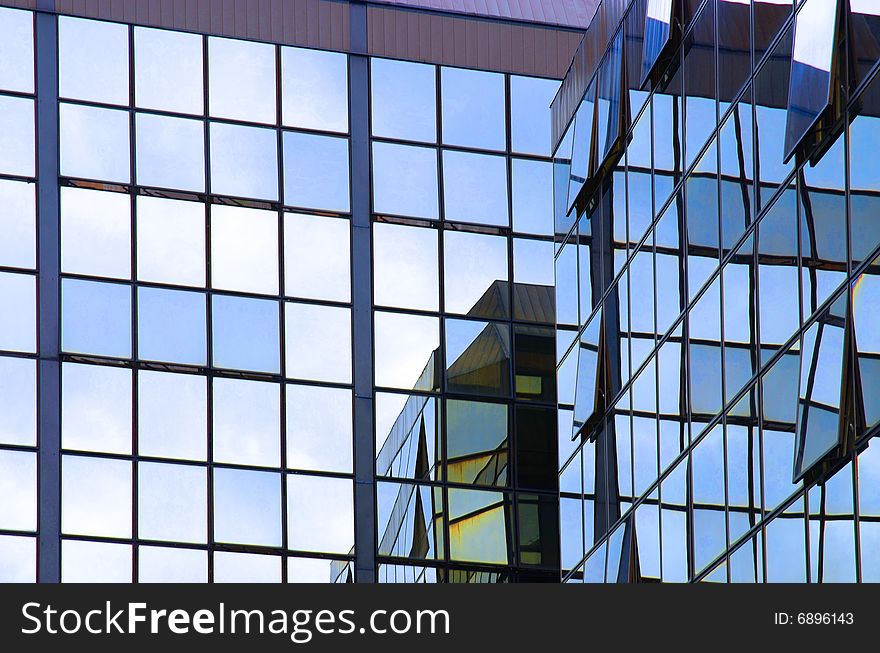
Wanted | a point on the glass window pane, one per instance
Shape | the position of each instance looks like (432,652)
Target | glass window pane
(88,46)
(319,428)
(172,415)
(95,562)
(245,333)
(247,422)
(241,80)
(170,152)
(95,496)
(160,564)
(320,514)
(94,143)
(318,342)
(532,266)
(405,180)
(95,318)
(478,526)
(168,70)
(478,357)
(405,267)
(18,312)
(316,171)
(403,100)
(170,241)
(18,401)
(310,570)
(16,50)
(407,431)
(314,89)
(171,326)
(244,161)
(247,507)
(532,183)
(18,487)
(18,244)
(406,350)
(530,99)
(18,555)
(475,269)
(95,233)
(246,568)
(96,408)
(475,188)
(317,257)
(473,108)
(244,249)
(172,502)
(476,442)
(16,136)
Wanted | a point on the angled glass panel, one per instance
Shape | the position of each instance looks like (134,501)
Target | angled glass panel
(403,100)
(170,152)
(247,507)
(478,357)
(168,71)
(96,318)
(609,109)
(405,267)
(532,191)
(473,108)
(95,233)
(171,326)
(314,89)
(95,562)
(245,333)
(244,161)
(866,294)
(170,241)
(405,180)
(172,502)
(475,274)
(246,422)
(17,136)
(530,99)
(316,172)
(317,257)
(406,351)
(319,428)
(563,217)
(18,247)
(318,342)
(16,50)
(770,118)
(96,408)
(809,90)
(94,143)
(587,375)
(172,415)
(320,514)
(475,188)
(89,483)
(162,564)
(18,401)
(87,47)
(658,29)
(18,485)
(241,80)
(244,249)
(582,146)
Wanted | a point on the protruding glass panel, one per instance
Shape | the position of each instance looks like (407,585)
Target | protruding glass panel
(246,568)
(478,357)
(610,119)
(865,297)
(241,80)
(479,526)
(473,108)
(658,31)
(168,71)
(160,564)
(95,233)
(17,136)
(316,171)
(475,274)
(246,333)
(96,408)
(170,241)
(319,428)
(403,100)
(317,257)
(532,190)
(16,50)
(171,326)
(530,99)
(244,249)
(244,161)
(318,342)
(320,514)
(95,496)
(172,415)
(314,89)
(405,267)
(588,375)
(18,487)
(582,147)
(93,60)
(18,401)
(405,180)
(95,318)
(407,436)
(172,502)
(95,562)
(477,443)
(406,351)
(18,247)
(247,507)
(563,217)
(170,152)
(246,422)
(475,188)
(94,143)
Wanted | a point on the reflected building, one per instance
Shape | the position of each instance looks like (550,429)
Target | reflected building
(716,251)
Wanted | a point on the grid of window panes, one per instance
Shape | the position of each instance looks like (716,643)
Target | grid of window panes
(18,300)
(463,324)
(717,358)
(206,308)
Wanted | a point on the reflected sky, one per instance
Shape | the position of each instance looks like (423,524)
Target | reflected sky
(18,487)
(95,233)
(171,326)
(16,50)
(17,224)
(473,108)
(317,257)
(247,507)
(316,172)
(318,342)
(244,161)
(405,180)
(170,152)
(172,565)
(96,408)
(89,482)
(18,329)
(17,136)
(94,143)
(403,100)
(475,188)
(247,422)
(95,562)
(168,70)
(18,401)
(241,80)
(244,249)
(245,333)
(314,89)
(405,267)
(320,514)
(172,415)
(83,46)
(172,502)
(171,241)
(319,428)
